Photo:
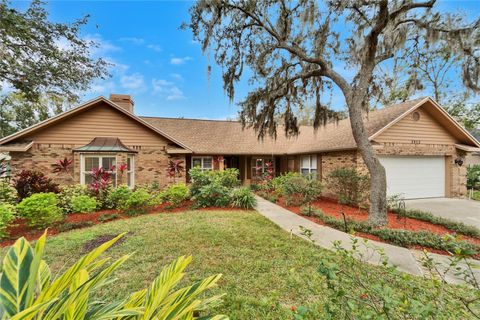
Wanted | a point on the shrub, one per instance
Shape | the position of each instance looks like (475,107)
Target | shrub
(243,198)
(83,204)
(8,194)
(117,196)
(227,178)
(29,182)
(212,195)
(40,209)
(175,194)
(278,183)
(272,197)
(67,193)
(299,189)
(25,271)
(137,203)
(473,176)
(350,186)
(7,213)
(108,217)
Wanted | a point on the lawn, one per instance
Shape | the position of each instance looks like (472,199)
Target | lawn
(265,270)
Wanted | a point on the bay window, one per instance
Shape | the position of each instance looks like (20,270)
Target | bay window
(308,164)
(204,163)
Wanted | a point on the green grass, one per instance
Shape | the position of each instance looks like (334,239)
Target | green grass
(265,270)
(476,195)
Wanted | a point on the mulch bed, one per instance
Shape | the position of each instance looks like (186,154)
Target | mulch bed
(19,228)
(334,209)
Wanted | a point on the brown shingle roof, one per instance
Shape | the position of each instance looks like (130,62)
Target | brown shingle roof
(228,137)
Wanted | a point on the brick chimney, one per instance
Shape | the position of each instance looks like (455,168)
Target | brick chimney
(123,100)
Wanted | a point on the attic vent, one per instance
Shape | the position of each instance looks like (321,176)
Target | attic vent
(416,116)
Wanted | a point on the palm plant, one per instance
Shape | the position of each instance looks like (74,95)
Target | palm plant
(28,291)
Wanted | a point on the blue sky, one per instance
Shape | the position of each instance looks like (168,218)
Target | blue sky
(156,62)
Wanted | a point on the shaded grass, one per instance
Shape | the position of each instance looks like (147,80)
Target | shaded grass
(265,270)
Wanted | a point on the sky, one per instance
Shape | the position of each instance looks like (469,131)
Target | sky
(159,64)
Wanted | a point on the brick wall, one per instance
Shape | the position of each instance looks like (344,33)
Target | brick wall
(150,163)
(336,160)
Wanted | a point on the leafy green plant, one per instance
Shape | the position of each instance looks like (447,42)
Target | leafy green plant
(175,194)
(7,214)
(212,195)
(227,178)
(29,182)
(137,203)
(117,196)
(8,194)
(84,204)
(278,183)
(67,193)
(40,209)
(299,189)
(403,238)
(28,289)
(243,198)
(270,196)
(350,186)
(473,177)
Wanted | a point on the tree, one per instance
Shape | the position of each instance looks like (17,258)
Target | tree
(39,56)
(290,49)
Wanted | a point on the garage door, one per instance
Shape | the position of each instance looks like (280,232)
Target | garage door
(415,177)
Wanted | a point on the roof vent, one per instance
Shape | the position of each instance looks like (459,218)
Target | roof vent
(122,100)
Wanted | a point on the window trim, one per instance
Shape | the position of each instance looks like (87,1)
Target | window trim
(201,161)
(83,156)
(132,171)
(310,167)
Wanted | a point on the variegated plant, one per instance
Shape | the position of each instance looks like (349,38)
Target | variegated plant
(27,290)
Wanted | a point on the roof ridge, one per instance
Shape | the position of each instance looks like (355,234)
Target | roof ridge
(193,119)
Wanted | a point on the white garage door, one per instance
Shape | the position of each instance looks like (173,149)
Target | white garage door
(415,177)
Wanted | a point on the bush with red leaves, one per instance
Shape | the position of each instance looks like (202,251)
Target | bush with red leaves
(28,182)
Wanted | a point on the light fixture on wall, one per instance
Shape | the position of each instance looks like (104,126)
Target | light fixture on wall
(459,161)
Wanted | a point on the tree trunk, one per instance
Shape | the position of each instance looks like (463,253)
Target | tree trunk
(378,183)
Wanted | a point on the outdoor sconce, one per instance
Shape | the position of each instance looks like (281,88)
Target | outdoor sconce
(459,161)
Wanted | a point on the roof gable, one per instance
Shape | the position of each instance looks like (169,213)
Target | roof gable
(88,111)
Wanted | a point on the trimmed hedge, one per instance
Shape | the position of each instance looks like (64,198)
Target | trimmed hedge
(403,238)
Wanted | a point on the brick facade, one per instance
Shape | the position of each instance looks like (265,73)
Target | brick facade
(150,163)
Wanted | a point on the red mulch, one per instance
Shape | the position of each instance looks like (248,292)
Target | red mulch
(19,228)
(334,209)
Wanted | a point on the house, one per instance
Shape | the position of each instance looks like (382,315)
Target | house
(420,145)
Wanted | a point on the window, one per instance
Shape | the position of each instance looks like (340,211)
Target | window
(130,171)
(308,164)
(91,162)
(260,166)
(204,163)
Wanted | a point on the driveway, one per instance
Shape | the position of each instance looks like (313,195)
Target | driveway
(462,210)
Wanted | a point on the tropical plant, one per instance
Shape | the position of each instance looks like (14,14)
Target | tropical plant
(175,168)
(29,182)
(40,209)
(28,289)
(212,195)
(243,198)
(8,194)
(7,213)
(473,177)
(227,178)
(137,203)
(117,196)
(67,193)
(63,166)
(83,204)
(350,186)
(175,194)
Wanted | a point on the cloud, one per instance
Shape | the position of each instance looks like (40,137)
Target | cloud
(134,82)
(103,45)
(179,61)
(134,40)
(167,89)
(155,47)
(176,76)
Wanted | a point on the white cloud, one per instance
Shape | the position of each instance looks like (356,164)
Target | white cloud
(168,89)
(134,40)
(134,82)
(179,61)
(155,47)
(177,76)
(103,45)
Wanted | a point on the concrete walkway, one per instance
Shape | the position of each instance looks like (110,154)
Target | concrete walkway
(461,210)
(405,259)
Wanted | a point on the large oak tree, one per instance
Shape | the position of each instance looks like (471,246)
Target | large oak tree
(290,50)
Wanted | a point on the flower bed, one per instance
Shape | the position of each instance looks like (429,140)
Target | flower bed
(402,230)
